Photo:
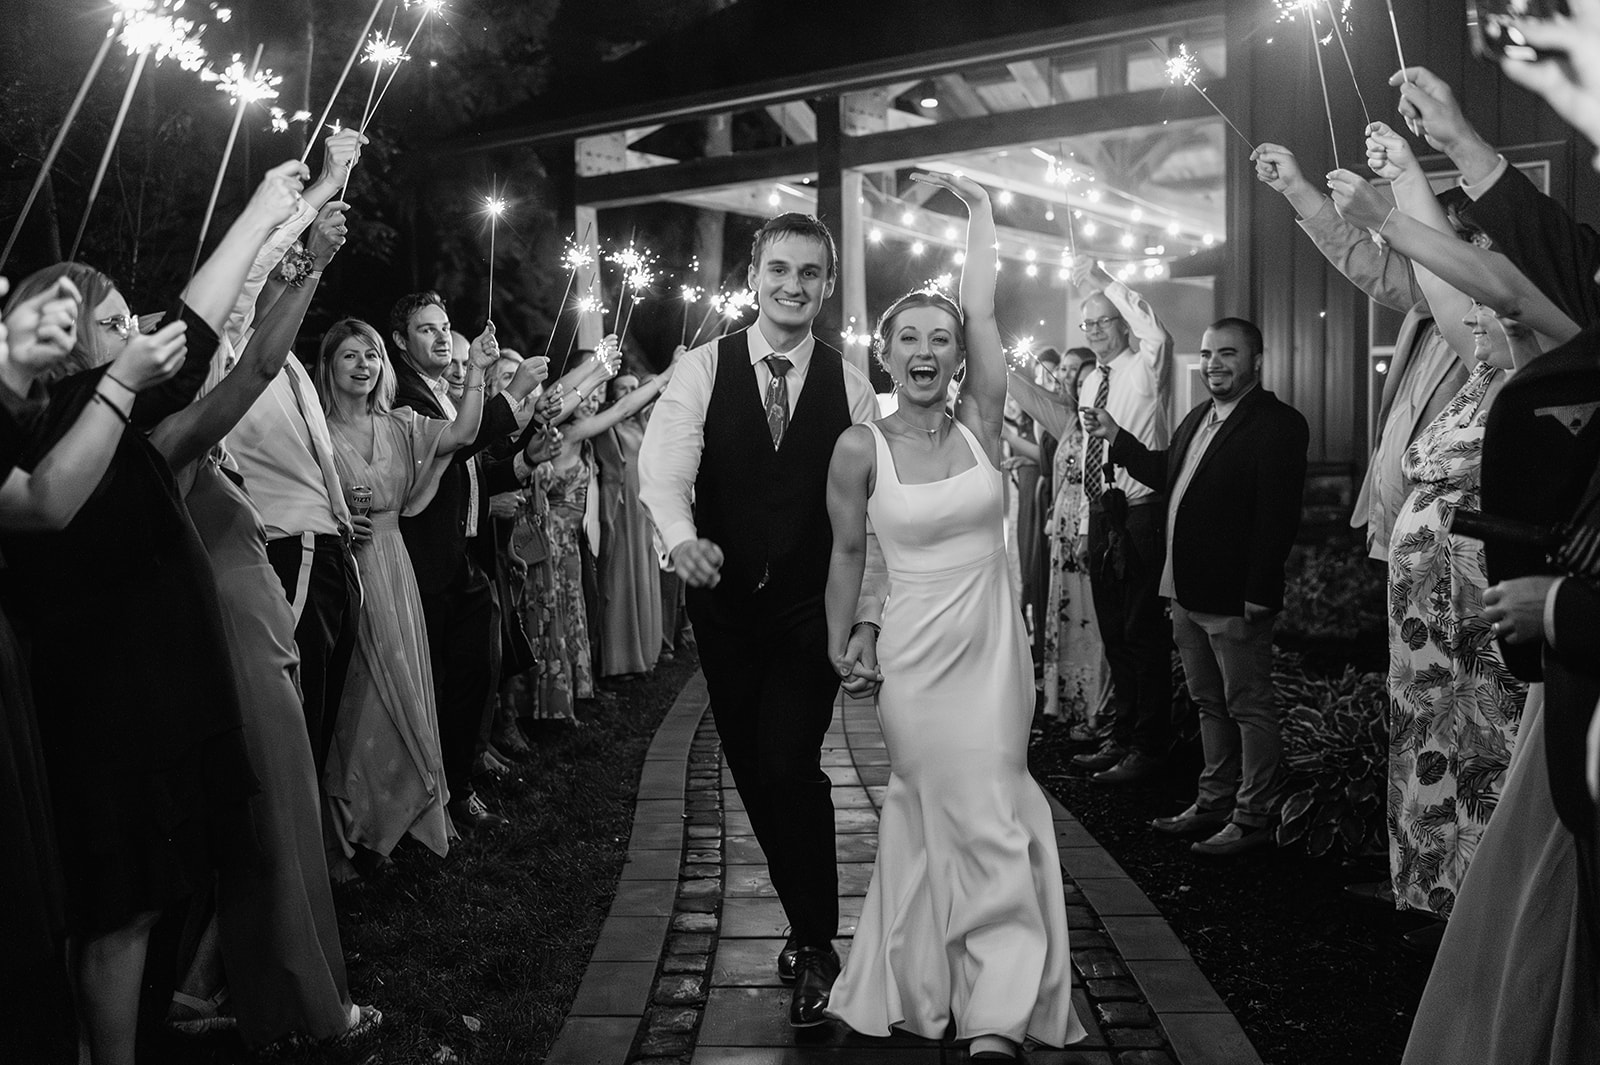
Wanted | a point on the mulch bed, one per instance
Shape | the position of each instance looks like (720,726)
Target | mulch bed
(475,958)
(1314,977)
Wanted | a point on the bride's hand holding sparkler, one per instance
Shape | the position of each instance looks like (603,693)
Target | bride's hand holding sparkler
(1358,202)
(1389,155)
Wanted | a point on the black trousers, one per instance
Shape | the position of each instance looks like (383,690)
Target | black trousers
(1134,627)
(325,635)
(464,647)
(772,691)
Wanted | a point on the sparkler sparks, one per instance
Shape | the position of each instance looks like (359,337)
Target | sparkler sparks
(384,52)
(149,28)
(1183,69)
(243,84)
(577,256)
(590,304)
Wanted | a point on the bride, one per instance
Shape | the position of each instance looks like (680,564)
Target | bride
(965,918)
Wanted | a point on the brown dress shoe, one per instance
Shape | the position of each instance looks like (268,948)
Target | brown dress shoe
(1134,767)
(1110,753)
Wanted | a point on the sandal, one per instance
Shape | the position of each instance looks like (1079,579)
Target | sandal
(364,1020)
(199,1016)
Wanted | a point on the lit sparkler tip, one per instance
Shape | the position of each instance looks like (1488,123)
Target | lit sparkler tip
(494,205)
(150,28)
(590,305)
(236,80)
(577,256)
(691,293)
(384,52)
(1183,67)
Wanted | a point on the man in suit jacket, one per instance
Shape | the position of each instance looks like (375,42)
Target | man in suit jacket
(457,602)
(1234,477)
(734,471)
(1541,464)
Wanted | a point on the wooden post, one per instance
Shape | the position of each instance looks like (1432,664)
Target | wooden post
(830,203)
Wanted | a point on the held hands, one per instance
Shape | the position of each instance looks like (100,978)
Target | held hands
(1277,168)
(278,196)
(1515,608)
(699,562)
(1098,422)
(857,664)
(327,234)
(1358,202)
(340,154)
(149,360)
(1569,80)
(1389,155)
(484,350)
(42,330)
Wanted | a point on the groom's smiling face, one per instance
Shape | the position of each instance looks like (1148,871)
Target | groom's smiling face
(791,280)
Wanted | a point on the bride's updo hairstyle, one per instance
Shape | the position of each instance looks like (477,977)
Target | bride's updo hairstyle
(922,297)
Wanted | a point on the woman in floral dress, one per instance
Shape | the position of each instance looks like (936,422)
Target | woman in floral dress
(1454,706)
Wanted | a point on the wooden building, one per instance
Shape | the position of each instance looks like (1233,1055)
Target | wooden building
(1065,111)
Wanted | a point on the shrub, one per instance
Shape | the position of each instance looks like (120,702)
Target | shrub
(1333,591)
(1335,759)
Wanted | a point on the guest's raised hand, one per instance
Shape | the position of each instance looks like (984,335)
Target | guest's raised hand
(1569,79)
(1358,202)
(1081,272)
(1389,155)
(1097,421)
(609,355)
(328,233)
(340,154)
(967,191)
(698,562)
(484,349)
(531,373)
(43,329)
(678,353)
(1277,167)
(278,196)
(1430,109)
(542,446)
(549,406)
(150,359)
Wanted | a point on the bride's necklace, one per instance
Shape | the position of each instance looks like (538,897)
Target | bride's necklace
(933,434)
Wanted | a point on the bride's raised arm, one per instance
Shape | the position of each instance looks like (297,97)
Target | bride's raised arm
(981,405)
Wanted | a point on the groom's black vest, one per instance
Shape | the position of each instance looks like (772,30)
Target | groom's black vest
(768,509)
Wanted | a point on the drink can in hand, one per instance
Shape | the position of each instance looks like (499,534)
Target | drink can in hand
(360,499)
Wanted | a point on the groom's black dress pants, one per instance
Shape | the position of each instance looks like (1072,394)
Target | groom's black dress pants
(772,691)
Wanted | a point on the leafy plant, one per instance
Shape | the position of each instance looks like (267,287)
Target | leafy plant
(1333,591)
(1336,759)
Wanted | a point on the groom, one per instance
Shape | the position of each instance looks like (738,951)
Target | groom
(734,472)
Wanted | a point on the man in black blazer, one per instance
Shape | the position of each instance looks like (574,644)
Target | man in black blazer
(457,601)
(1234,479)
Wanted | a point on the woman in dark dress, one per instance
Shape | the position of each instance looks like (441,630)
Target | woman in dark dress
(147,771)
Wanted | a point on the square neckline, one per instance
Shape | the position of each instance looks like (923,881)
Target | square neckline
(978,458)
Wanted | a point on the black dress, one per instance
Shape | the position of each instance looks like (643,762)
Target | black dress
(34,1006)
(138,712)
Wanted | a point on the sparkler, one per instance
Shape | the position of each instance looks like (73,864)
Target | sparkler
(1395,26)
(690,294)
(1322,75)
(111,146)
(281,118)
(343,74)
(578,256)
(1342,17)
(61,136)
(244,86)
(495,206)
(587,304)
(1183,69)
(636,284)
(429,7)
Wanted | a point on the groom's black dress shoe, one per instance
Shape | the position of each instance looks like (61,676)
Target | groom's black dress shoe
(786,956)
(815,970)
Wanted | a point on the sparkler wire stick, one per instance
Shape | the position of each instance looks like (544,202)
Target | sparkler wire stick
(1188,79)
(377,69)
(361,39)
(496,206)
(222,171)
(1395,26)
(111,146)
(61,136)
(406,51)
(572,276)
(1349,64)
(1327,104)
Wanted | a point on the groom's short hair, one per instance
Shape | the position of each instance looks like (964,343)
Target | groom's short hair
(794,224)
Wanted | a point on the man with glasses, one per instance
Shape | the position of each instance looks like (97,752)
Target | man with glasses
(1132,381)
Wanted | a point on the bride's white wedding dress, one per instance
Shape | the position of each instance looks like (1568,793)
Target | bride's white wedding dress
(965,918)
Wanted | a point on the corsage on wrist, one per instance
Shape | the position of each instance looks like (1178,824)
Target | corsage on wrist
(296,265)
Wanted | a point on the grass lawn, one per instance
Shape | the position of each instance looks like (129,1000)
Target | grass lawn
(475,958)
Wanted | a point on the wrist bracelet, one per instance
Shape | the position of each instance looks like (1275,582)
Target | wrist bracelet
(105,399)
(1386,218)
(120,383)
(315,275)
(474,388)
(876,628)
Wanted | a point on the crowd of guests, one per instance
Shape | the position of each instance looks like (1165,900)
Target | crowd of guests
(326,597)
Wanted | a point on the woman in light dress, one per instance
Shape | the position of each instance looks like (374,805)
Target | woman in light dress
(385,775)
(965,919)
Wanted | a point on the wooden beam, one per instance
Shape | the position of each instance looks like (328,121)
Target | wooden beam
(796,119)
(1033,81)
(959,97)
(790,163)
(1076,117)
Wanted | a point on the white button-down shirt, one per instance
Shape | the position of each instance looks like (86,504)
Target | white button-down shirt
(669,461)
(1141,386)
(1198,446)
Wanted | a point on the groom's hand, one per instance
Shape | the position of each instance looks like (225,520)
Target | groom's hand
(858,666)
(699,562)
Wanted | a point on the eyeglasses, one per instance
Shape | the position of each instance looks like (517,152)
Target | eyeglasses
(121,324)
(1094,325)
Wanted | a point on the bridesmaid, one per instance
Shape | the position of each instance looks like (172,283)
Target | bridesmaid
(385,775)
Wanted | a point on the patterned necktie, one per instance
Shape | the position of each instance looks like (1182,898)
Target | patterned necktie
(1094,476)
(778,398)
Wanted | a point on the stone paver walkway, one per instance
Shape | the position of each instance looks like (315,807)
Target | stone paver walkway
(683,970)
